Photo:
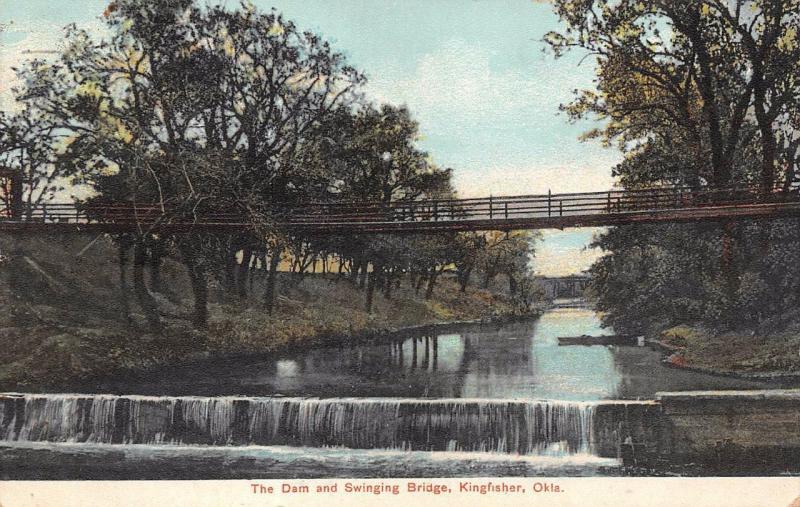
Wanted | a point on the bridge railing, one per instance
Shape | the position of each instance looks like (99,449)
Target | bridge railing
(534,206)
(504,208)
(122,214)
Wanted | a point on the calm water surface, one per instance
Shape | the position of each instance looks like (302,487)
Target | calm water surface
(518,360)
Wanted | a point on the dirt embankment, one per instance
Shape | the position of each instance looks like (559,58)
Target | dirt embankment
(64,314)
(768,353)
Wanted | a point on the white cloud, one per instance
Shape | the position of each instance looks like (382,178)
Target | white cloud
(498,126)
(456,83)
(534,179)
(566,252)
(562,263)
(31,39)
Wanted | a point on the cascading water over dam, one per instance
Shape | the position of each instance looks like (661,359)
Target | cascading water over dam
(508,426)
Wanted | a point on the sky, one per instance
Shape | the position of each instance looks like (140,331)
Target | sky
(474,74)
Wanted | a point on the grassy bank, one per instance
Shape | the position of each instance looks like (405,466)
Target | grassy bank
(748,353)
(64,317)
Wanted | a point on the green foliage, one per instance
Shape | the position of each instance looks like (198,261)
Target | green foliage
(663,275)
(207,109)
(700,79)
(702,94)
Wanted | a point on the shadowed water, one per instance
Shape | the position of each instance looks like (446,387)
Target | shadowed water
(517,360)
(54,461)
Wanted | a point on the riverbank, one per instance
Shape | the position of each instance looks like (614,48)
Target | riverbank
(51,341)
(742,354)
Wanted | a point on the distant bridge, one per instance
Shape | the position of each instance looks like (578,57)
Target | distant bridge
(588,209)
(564,287)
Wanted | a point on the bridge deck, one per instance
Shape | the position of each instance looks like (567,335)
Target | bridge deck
(672,204)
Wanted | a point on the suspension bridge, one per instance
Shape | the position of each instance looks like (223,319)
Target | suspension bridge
(551,210)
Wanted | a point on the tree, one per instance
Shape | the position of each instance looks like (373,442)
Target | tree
(697,93)
(184,111)
(382,161)
(199,110)
(467,249)
(765,33)
(686,74)
(367,157)
(196,109)
(510,254)
(31,147)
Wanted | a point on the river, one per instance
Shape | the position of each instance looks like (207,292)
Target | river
(490,400)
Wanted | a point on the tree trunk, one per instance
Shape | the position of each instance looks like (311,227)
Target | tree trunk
(123,284)
(197,277)
(253,266)
(243,272)
(769,154)
(764,119)
(420,281)
(431,283)
(387,291)
(363,273)
(728,269)
(143,296)
(705,81)
(355,264)
(156,254)
(464,277)
(230,268)
(512,284)
(269,297)
(376,269)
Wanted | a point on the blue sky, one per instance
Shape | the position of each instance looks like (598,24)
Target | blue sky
(473,72)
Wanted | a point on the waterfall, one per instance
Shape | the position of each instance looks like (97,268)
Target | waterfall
(506,426)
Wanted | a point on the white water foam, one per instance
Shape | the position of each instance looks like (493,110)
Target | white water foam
(523,427)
